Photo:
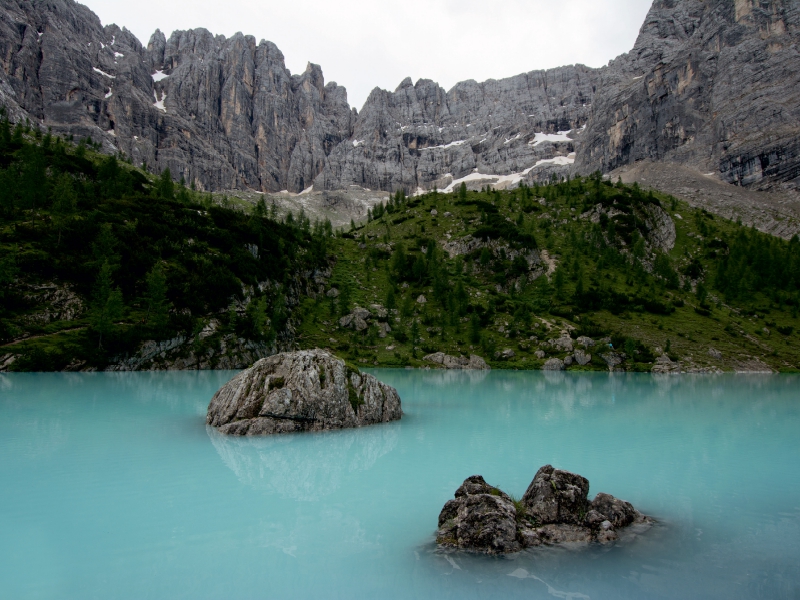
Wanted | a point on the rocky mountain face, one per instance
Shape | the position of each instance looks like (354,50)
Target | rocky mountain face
(712,84)
(421,136)
(222,113)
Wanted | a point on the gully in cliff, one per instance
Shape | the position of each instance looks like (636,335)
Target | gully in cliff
(554,509)
(309,390)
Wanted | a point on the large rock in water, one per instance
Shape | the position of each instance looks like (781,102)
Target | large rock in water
(554,509)
(309,390)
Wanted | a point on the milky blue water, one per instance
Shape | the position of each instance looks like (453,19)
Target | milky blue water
(112,487)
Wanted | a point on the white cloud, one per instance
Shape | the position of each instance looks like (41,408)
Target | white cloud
(361,45)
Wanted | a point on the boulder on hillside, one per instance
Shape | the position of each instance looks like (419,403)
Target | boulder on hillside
(553,364)
(357,319)
(613,359)
(308,390)
(665,365)
(582,358)
(555,509)
(562,344)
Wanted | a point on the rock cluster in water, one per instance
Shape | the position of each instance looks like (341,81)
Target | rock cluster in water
(554,509)
(309,390)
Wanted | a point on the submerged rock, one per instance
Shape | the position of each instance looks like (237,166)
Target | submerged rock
(309,390)
(555,509)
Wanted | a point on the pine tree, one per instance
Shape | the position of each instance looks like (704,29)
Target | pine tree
(260,209)
(157,304)
(391,301)
(8,272)
(475,329)
(166,187)
(559,281)
(65,201)
(106,305)
(257,311)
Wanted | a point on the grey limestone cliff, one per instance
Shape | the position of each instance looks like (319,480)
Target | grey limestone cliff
(712,84)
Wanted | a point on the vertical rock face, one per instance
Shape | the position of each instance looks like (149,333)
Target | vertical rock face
(223,113)
(713,84)
(421,136)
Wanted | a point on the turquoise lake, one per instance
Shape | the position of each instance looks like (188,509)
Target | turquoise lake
(113,487)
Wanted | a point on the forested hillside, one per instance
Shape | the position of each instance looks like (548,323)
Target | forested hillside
(583,271)
(105,266)
(99,258)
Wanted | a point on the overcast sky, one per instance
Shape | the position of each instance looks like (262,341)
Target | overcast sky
(361,44)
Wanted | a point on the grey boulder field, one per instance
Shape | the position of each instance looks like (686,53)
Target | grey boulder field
(308,390)
(554,509)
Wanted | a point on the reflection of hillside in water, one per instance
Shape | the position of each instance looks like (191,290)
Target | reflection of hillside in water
(304,466)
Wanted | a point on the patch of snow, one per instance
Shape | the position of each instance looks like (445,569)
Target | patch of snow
(40,35)
(357,143)
(561,136)
(516,137)
(96,70)
(507,180)
(159,75)
(118,55)
(136,137)
(558,160)
(450,145)
(111,132)
(639,77)
(102,46)
(159,104)
(109,94)
(308,190)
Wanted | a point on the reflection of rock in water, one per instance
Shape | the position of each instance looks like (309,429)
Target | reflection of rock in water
(455,377)
(304,467)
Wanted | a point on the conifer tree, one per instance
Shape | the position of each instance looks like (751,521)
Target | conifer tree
(157,304)
(106,305)
(64,202)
